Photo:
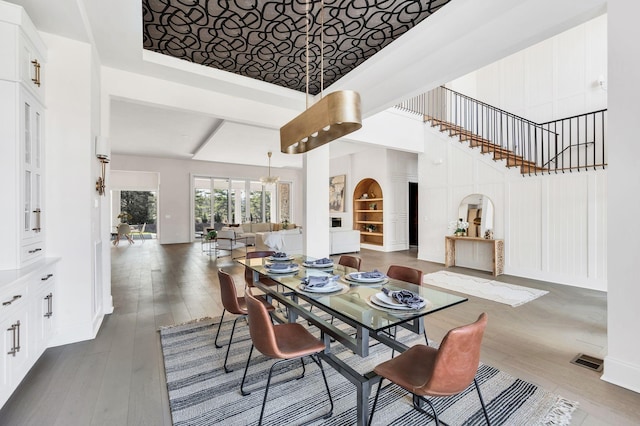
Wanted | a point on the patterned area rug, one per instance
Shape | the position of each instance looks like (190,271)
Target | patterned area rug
(509,294)
(200,393)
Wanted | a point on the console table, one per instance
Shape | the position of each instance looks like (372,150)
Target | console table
(450,242)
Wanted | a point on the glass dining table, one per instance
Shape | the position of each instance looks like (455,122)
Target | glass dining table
(355,299)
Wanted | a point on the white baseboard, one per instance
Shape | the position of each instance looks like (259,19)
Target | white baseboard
(621,373)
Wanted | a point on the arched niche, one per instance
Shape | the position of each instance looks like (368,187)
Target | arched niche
(368,211)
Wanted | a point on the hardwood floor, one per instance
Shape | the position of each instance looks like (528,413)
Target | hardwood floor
(118,378)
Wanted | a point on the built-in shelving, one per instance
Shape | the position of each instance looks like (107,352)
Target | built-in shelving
(368,211)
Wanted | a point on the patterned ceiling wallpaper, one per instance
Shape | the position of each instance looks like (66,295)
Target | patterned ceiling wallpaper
(265,39)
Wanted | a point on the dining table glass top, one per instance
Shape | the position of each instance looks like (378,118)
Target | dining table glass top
(351,295)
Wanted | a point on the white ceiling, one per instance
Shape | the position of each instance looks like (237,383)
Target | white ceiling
(461,37)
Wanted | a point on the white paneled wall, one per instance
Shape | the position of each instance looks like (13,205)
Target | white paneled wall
(553,79)
(554,226)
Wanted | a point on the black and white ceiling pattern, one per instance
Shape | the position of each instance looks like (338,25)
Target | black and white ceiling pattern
(266,39)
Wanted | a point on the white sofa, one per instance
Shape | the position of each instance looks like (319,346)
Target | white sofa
(345,241)
(287,240)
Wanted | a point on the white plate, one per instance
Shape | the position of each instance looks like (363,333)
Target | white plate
(373,300)
(355,276)
(280,259)
(345,279)
(326,289)
(281,271)
(318,265)
(385,301)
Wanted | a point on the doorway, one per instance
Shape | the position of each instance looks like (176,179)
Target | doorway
(413,214)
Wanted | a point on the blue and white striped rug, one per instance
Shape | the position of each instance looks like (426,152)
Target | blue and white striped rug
(200,393)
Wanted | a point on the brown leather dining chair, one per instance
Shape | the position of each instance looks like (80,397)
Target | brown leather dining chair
(405,273)
(410,275)
(350,262)
(284,342)
(426,371)
(234,305)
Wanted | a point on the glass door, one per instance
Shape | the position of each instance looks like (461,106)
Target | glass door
(203,209)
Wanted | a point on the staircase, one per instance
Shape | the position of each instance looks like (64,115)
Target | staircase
(573,143)
(486,146)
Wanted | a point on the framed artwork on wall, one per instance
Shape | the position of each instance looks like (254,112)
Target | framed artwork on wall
(284,200)
(336,193)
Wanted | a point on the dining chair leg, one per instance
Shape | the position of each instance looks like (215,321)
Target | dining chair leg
(218,332)
(484,408)
(233,329)
(244,376)
(417,405)
(324,377)
(318,361)
(375,401)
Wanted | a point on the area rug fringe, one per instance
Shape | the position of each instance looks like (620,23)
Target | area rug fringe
(560,414)
(195,321)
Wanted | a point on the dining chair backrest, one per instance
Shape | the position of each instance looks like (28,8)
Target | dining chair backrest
(261,328)
(229,295)
(457,360)
(248,273)
(405,273)
(124,229)
(350,262)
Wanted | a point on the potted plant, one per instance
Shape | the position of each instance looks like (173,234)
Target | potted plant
(285,224)
(124,217)
(211,235)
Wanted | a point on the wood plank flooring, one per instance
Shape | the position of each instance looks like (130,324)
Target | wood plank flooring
(118,378)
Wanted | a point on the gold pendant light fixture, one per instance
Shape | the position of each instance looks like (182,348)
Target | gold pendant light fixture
(332,117)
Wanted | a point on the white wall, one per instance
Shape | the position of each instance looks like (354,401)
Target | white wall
(553,79)
(72,202)
(554,226)
(622,364)
(174,196)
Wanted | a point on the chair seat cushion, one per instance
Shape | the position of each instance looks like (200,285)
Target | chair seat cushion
(242,303)
(411,369)
(293,340)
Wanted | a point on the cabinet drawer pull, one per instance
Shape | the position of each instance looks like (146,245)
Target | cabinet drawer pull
(8,302)
(47,277)
(35,250)
(49,300)
(36,68)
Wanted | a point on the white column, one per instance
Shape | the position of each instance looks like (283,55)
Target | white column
(316,202)
(622,364)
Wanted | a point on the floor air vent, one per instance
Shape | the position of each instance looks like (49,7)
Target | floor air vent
(589,362)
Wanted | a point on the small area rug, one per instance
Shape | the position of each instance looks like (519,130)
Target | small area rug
(200,393)
(509,294)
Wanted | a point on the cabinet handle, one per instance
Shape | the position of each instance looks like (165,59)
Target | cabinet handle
(8,302)
(14,348)
(49,299)
(36,67)
(46,278)
(18,333)
(37,213)
(35,250)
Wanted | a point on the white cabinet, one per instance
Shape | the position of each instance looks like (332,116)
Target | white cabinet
(27,320)
(14,326)
(22,149)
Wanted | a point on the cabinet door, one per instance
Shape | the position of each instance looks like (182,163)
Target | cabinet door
(32,160)
(15,347)
(43,321)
